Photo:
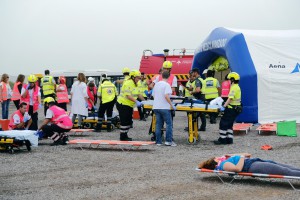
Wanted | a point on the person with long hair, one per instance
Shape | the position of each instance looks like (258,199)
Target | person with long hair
(16,94)
(5,95)
(79,99)
(242,162)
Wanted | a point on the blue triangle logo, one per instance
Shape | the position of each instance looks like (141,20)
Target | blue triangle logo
(296,69)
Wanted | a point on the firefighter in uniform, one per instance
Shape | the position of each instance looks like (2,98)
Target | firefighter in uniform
(56,123)
(198,94)
(48,86)
(211,91)
(126,101)
(107,93)
(232,108)
(62,93)
(143,86)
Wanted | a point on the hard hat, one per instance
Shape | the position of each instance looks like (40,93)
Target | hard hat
(233,75)
(205,71)
(91,79)
(48,100)
(167,65)
(32,78)
(126,70)
(135,73)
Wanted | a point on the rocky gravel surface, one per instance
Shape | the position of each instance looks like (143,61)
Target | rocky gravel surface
(151,172)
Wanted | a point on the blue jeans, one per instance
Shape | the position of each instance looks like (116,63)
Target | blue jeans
(163,115)
(5,107)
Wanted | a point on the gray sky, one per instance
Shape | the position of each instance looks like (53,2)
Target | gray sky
(111,34)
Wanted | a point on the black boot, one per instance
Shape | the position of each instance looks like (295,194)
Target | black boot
(220,141)
(229,140)
(98,127)
(124,137)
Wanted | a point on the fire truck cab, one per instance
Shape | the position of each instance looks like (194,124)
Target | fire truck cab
(181,59)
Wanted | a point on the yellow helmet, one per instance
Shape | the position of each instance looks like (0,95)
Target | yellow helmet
(126,70)
(135,73)
(32,78)
(48,100)
(233,75)
(167,65)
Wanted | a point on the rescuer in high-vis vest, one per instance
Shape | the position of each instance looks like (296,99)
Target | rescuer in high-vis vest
(225,88)
(62,93)
(16,94)
(126,101)
(5,95)
(189,86)
(48,87)
(211,91)
(172,80)
(198,94)
(31,95)
(56,123)
(20,119)
(232,108)
(107,93)
(143,86)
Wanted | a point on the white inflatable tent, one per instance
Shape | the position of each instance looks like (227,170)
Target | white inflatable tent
(268,62)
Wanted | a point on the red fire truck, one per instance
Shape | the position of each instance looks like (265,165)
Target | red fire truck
(181,59)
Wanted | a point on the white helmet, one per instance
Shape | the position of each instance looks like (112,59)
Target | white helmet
(91,79)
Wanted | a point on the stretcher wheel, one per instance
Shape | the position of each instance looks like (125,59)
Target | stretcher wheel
(193,141)
(112,127)
(88,125)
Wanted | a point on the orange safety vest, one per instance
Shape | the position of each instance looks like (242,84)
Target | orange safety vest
(62,96)
(225,88)
(35,98)
(11,124)
(4,94)
(91,95)
(16,95)
(61,118)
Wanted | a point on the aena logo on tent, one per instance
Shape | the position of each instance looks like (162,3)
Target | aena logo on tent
(276,66)
(296,69)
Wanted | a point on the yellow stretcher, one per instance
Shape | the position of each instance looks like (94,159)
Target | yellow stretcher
(192,112)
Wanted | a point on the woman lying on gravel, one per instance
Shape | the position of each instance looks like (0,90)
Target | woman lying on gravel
(243,163)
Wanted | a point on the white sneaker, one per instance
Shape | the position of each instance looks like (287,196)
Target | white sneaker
(158,144)
(172,144)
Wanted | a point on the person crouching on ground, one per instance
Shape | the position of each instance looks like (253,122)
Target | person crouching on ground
(161,107)
(126,101)
(56,123)
(20,119)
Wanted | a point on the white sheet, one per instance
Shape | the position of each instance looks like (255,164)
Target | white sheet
(22,135)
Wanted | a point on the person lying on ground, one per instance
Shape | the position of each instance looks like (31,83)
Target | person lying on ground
(242,162)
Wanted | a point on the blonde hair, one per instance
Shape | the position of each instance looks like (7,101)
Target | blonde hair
(81,77)
(208,164)
(3,78)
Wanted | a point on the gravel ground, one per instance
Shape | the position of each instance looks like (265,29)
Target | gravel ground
(151,172)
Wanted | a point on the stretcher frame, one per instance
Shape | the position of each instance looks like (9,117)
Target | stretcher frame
(241,175)
(192,112)
(271,127)
(74,132)
(121,144)
(242,127)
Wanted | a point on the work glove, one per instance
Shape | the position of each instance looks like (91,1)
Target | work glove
(95,108)
(174,107)
(86,105)
(138,104)
(222,109)
(26,118)
(28,85)
(146,92)
(40,106)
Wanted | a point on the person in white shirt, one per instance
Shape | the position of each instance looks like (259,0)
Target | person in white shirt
(161,106)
